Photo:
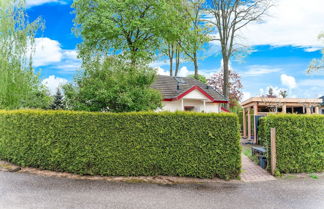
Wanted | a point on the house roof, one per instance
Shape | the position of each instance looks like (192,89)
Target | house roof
(168,86)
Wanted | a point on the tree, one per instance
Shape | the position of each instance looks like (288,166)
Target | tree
(200,78)
(283,93)
(317,64)
(179,27)
(58,102)
(20,86)
(229,17)
(173,51)
(192,41)
(270,93)
(235,85)
(131,28)
(113,86)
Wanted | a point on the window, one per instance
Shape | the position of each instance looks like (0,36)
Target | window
(189,108)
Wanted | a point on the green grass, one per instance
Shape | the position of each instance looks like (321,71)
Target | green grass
(313,176)
(247,151)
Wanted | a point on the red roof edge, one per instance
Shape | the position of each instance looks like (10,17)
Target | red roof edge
(192,89)
(224,109)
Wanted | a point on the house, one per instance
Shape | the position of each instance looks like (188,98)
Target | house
(322,105)
(261,106)
(188,94)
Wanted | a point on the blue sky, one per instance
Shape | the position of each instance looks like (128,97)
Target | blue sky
(282,47)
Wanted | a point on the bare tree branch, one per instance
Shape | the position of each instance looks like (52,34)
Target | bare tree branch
(229,17)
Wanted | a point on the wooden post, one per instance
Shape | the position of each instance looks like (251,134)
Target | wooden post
(308,111)
(273,151)
(249,124)
(204,106)
(316,110)
(244,123)
(182,105)
(284,108)
(255,112)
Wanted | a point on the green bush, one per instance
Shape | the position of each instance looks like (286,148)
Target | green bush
(299,141)
(123,144)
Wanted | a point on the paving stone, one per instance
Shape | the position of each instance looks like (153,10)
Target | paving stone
(252,172)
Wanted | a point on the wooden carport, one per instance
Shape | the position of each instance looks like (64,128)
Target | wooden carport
(262,106)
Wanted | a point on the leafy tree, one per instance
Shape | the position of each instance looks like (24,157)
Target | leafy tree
(179,27)
(283,93)
(20,86)
(270,93)
(193,40)
(317,64)
(236,107)
(217,82)
(58,102)
(229,16)
(131,28)
(113,86)
(200,78)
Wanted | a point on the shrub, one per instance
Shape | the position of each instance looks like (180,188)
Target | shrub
(299,141)
(123,144)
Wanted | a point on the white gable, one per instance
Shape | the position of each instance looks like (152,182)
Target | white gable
(196,94)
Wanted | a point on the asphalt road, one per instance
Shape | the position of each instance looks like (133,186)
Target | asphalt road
(18,190)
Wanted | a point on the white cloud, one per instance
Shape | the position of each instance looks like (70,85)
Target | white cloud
(213,49)
(275,90)
(31,3)
(47,51)
(256,70)
(161,71)
(290,22)
(159,63)
(183,72)
(312,49)
(246,95)
(288,81)
(313,83)
(53,83)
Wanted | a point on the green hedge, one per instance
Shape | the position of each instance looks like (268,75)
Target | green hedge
(123,144)
(299,141)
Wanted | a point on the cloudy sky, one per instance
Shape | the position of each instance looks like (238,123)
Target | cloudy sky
(282,47)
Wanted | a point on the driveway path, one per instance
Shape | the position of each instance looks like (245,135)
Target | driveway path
(252,172)
(24,191)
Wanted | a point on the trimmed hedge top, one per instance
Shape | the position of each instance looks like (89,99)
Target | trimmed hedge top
(299,141)
(123,144)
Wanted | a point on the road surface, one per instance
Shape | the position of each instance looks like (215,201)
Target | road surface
(21,190)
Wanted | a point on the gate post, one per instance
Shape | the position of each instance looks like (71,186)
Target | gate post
(273,150)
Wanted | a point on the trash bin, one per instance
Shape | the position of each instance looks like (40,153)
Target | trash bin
(263,162)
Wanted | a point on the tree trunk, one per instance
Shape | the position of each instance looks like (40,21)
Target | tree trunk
(171,66)
(196,65)
(177,61)
(171,53)
(226,84)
